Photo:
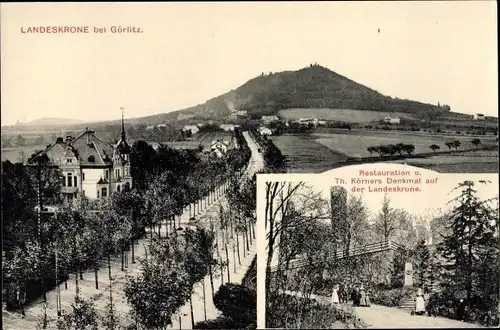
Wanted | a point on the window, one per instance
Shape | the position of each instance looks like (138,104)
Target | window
(126,172)
(127,186)
(117,174)
(118,188)
(106,174)
(83,176)
(70,180)
(104,192)
(69,160)
(97,193)
(83,192)
(74,180)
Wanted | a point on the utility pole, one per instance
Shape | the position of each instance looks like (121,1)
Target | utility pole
(40,237)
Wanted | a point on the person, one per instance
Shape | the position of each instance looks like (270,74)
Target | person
(355,297)
(461,310)
(343,294)
(335,295)
(419,303)
(363,297)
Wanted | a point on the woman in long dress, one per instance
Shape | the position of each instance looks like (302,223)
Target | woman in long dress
(363,299)
(419,304)
(335,295)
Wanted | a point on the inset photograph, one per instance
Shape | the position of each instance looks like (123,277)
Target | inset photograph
(339,255)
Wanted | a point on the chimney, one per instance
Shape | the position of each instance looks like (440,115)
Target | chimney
(69,138)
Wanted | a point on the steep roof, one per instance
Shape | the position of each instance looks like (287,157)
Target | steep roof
(89,149)
(92,150)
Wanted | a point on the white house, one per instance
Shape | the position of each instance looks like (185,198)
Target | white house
(269,119)
(228,127)
(392,120)
(218,152)
(89,165)
(193,128)
(242,113)
(184,117)
(479,116)
(265,131)
(220,145)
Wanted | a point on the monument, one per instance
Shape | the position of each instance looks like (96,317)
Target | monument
(408,274)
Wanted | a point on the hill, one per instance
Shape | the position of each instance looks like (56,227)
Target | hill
(51,122)
(311,87)
(308,88)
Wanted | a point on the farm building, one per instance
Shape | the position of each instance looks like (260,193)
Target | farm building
(90,166)
(265,131)
(392,120)
(193,128)
(269,119)
(233,116)
(479,116)
(150,127)
(242,113)
(228,127)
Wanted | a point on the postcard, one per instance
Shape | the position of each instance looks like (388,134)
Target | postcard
(244,165)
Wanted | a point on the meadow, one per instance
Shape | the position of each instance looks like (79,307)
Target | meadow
(18,154)
(345,115)
(316,153)
(304,155)
(355,144)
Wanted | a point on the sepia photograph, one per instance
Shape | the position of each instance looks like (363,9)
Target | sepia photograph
(134,137)
(339,259)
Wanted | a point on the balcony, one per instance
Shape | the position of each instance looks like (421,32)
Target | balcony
(69,190)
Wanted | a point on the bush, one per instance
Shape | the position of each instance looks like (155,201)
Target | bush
(392,297)
(238,305)
(284,312)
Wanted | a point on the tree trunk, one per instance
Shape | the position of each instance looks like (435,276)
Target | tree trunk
(96,274)
(110,283)
(123,261)
(133,249)
(77,288)
(210,272)
(191,309)
(238,248)
(81,273)
(204,300)
(227,259)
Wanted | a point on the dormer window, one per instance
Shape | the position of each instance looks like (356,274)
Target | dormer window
(69,160)
(91,159)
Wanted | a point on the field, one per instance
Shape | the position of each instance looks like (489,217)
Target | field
(345,115)
(16,154)
(355,145)
(304,155)
(317,153)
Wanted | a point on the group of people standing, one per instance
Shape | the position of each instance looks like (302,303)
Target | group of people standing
(358,295)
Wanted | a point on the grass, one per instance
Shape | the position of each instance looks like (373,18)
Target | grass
(355,145)
(317,153)
(304,155)
(346,115)
(15,154)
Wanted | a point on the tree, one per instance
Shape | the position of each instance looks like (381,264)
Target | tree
(371,150)
(470,244)
(82,317)
(409,148)
(450,145)
(386,222)
(422,264)
(476,142)
(434,147)
(456,144)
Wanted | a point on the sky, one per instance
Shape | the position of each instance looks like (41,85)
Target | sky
(190,52)
(432,200)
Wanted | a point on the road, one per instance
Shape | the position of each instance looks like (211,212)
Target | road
(257,161)
(382,317)
(87,289)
